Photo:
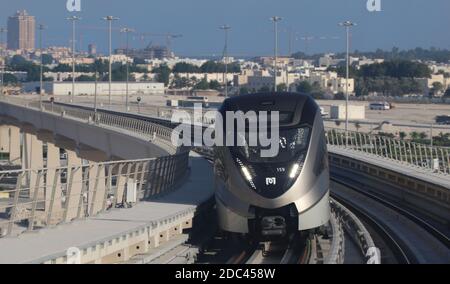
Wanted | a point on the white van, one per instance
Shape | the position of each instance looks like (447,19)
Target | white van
(380,106)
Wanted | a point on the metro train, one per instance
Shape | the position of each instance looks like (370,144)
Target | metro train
(273,197)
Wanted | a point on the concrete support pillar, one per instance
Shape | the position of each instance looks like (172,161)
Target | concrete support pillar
(97,188)
(32,158)
(73,203)
(97,178)
(14,145)
(53,190)
(4,139)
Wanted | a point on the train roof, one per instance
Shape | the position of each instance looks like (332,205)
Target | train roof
(302,107)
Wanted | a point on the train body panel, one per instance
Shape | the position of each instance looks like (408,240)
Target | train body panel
(286,193)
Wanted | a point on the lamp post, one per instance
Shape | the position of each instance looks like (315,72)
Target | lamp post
(110,19)
(95,97)
(41,28)
(347,25)
(2,31)
(73,19)
(275,21)
(127,31)
(226,28)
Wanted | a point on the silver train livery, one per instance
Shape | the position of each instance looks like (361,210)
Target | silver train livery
(276,196)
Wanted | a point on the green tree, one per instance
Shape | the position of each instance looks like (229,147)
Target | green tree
(62,68)
(10,79)
(214,85)
(19,63)
(47,59)
(422,135)
(85,78)
(304,87)
(437,87)
(243,91)
(402,135)
(414,135)
(183,67)
(180,82)
(447,93)
(163,74)
(282,87)
(202,85)
(18,60)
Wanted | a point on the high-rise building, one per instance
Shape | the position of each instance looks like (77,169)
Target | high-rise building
(21,29)
(92,49)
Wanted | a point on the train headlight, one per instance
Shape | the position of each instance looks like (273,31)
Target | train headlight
(294,170)
(246,173)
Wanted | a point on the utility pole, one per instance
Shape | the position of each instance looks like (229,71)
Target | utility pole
(2,31)
(275,21)
(41,27)
(127,31)
(226,28)
(290,55)
(347,25)
(73,19)
(431,135)
(110,19)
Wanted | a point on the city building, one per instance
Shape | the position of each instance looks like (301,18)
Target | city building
(219,77)
(330,82)
(327,60)
(150,52)
(428,83)
(88,88)
(78,61)
(92,49)
(21,31)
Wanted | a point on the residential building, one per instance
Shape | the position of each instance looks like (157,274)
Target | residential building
(21,31)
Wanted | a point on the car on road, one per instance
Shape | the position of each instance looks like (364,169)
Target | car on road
(443,119)
(380,106)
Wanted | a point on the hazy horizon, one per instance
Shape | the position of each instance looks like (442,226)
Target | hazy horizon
(406,24)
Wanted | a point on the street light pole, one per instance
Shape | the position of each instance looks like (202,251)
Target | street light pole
(347,25)
(127,31)
(41,28)
(275,21)
(110,19)
(2,31)
(73,19)
(226,28)
(95,97)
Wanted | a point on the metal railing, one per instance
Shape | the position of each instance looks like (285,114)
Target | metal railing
(356,230)
(436,159)
(36,198)
(148,130)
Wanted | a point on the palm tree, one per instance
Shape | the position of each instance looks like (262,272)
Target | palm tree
(414,135)
(422,135)
(402,135)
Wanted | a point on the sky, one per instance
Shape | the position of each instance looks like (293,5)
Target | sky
(401,23)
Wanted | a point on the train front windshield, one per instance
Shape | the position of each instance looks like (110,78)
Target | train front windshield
(292,142)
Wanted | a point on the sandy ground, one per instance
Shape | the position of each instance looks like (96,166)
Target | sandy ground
(403,117)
